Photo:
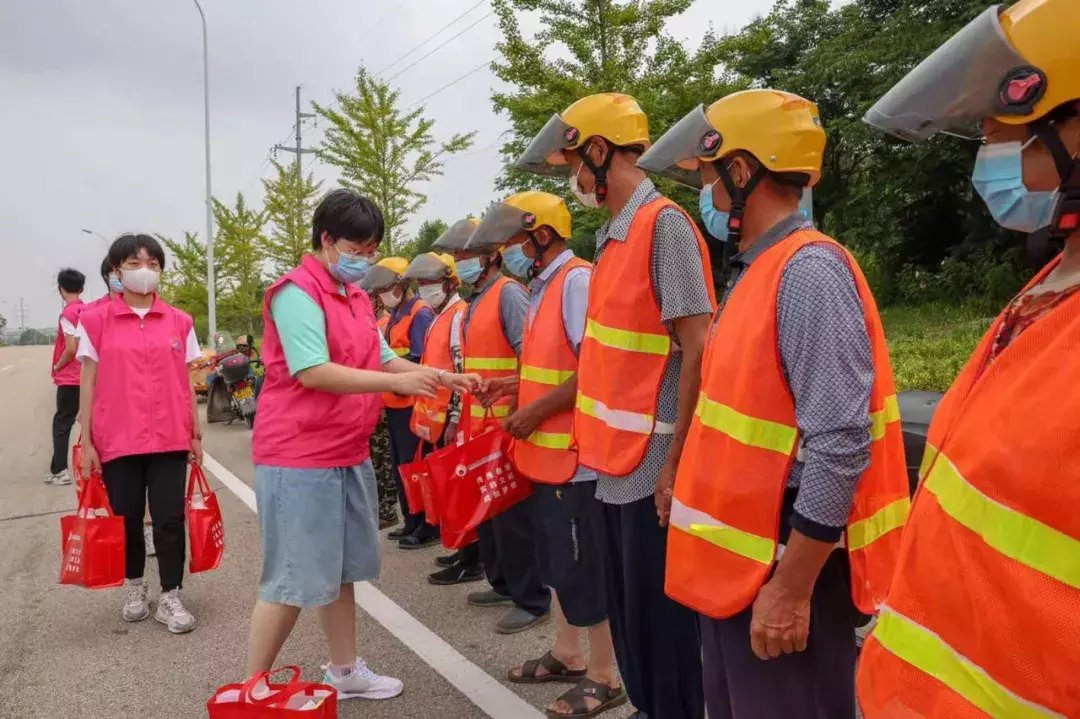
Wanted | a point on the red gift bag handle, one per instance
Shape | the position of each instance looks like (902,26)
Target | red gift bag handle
(94,496)
(289,688)
(197,478)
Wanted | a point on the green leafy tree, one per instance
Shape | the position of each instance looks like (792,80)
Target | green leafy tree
(184,282)
(3,323)
(591,46)
(290,199)
(429,231)
(384,151)
(240,244)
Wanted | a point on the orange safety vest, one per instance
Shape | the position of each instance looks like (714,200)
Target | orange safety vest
(744,437)
(547,361)
(487,351)
(383,323)
(429,414)
(983,618)
(625,351)
(397,336)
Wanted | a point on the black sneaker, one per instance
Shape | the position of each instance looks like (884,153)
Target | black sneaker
(404,531)
(449,560)
(457,574)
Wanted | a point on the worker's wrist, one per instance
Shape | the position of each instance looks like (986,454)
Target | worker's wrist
(441,377)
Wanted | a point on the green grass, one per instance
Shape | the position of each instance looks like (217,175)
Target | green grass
(930,344)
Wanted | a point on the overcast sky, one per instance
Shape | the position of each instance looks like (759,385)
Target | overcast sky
(102,115)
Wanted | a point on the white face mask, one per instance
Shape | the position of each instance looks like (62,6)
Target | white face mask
(432,295)
(390,300)
(141,281)
(587,199)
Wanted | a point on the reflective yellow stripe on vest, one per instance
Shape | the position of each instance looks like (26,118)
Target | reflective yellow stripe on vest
(401,351)
(616,418)
(751,431)
(499,411)
(644,342)
(550,440)
(712,530)
(1017,536)
(541,375)
(491,363)
(891,516)
(884,417)
(926,651)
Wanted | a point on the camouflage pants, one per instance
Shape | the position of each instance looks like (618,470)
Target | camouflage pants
(380,459)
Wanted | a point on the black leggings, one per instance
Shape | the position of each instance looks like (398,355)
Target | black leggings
(67,407)
(161,479)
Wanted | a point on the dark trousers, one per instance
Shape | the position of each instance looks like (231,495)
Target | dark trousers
(818,683)
(656,638)
(508,551)
(161,479)
(67,407)
(403,444)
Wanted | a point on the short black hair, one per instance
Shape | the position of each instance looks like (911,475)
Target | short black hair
(106,270)
(127,246)
(348,214)
(70,280)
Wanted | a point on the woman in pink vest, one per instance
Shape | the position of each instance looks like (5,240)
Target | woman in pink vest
(326,365)
(139,420)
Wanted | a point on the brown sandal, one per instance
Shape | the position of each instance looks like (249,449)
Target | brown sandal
(557,672)
(609,698)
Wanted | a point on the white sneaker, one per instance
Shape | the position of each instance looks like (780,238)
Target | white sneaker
(136,608)
(148,540)
(59,479)
(362,683)
(171,613)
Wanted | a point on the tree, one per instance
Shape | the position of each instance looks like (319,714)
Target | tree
(599,46)
(430,230)
(384,151)
(289,200)
(241,246)
(3,324)
(184,282)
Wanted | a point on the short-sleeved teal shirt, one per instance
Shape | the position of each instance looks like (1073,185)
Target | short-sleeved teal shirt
(301,325)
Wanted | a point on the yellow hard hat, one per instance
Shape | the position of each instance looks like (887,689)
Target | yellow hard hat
(456,235)
(781,130)
(521,212)
(1015,65)
(613,116)
(431,266)
(385,273)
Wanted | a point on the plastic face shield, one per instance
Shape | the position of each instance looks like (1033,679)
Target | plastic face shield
(677,154)
(543,156)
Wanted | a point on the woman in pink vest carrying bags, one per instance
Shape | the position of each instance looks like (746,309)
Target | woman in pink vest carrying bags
(140,425)
(326,365)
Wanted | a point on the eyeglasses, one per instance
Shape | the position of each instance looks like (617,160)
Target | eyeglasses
(372,256)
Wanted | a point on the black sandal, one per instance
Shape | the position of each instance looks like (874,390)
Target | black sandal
(557,672)
(609,698)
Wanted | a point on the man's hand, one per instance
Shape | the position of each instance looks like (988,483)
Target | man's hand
(414,384)
(665,486)
(523,422)
(780,621)
(461,382)
(493,390)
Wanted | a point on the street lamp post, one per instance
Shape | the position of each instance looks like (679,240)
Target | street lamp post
(96,234)
(211,298)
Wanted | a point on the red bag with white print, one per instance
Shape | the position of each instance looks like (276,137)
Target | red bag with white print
(206,532)
(93,546)
(259,698)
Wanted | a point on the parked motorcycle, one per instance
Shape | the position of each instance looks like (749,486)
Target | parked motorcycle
(234,383)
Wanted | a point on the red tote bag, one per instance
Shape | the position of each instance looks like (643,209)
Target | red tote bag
(206,532)
(478,479)
(93,546)
(411,479)
(293,700)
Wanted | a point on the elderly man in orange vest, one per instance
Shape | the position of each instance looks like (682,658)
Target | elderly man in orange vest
(533,228)
(650,299)
(791,491)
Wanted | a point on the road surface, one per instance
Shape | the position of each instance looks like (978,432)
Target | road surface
(66,653)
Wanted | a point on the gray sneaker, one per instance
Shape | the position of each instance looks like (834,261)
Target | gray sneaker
(518,620)
(59,479)
(136,608)
(171,613)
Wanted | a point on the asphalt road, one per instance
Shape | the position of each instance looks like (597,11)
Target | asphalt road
(66,653)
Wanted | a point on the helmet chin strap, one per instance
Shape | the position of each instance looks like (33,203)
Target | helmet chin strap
(1066,218)
(541,248)
(739,196)
(599,171)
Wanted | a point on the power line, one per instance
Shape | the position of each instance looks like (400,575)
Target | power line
(438,47)
(450,84)
(430,37)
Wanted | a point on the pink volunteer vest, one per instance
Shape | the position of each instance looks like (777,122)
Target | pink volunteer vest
(142,398)
(69,375)
(304,428)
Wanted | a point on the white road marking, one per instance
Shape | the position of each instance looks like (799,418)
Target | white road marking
(478,686)
(6,367)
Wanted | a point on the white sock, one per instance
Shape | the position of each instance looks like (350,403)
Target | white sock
(340,671)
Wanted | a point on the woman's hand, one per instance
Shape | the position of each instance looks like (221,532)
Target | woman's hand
(196,450)
(461,382)
(90,460)
(415,384)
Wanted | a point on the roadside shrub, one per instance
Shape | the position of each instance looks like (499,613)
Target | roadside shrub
(930,344)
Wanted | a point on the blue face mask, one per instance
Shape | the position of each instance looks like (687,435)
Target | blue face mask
(349,268)
(716,222)
(516,261)
(115,284)
(999,179)
(469,271)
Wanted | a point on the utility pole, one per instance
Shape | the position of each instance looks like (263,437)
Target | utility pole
(22,314)
(299,150)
